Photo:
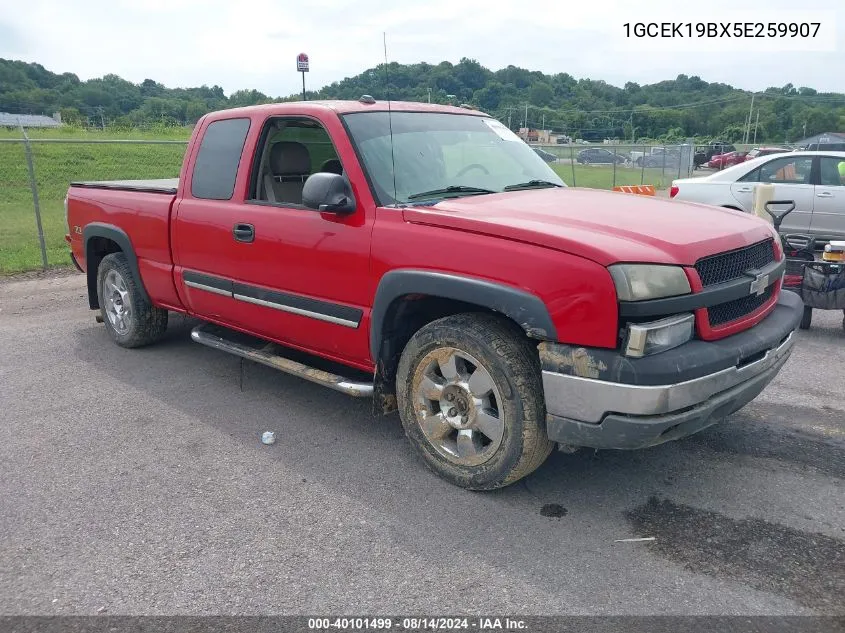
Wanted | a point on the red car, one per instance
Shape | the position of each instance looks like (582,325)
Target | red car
(425,256)
(720,161)
(765,151)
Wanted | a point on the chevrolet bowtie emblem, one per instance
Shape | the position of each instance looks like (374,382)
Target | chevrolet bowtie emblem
(759,284)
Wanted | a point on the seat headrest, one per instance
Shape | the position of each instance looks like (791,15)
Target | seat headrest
(288,158)
(332,166)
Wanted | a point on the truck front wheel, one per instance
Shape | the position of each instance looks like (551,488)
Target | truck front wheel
(471,401)
(130,319)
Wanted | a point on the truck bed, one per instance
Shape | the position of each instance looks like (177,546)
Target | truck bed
(163,185)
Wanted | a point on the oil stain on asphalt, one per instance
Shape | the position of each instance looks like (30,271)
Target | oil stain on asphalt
(808,568)
(553,510)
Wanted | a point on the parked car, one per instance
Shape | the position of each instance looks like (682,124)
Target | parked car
(669,158)
(721,161)
(598,155)
(718,147)
(424,256)
(546,156)
(814,180)
(705,153)
(826,147)
(765,151)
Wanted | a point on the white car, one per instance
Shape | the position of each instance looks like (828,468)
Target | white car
(815,181)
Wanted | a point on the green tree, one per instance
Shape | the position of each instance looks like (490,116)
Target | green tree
(195,110)
(541,94)
(247,98)
(71,116)
(569,105)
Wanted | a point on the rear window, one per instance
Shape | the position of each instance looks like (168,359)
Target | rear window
(217,161)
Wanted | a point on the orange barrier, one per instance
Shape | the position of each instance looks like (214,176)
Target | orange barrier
(643,190)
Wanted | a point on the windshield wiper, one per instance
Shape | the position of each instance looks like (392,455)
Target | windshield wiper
(532,184)
(452,190)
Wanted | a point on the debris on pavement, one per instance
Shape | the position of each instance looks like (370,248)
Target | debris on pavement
(269,437)
(635,540)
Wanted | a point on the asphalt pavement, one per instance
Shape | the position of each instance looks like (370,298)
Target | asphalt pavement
(135,482)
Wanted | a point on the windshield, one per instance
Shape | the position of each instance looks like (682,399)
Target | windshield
(443,155)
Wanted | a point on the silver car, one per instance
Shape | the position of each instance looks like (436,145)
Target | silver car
(815,181)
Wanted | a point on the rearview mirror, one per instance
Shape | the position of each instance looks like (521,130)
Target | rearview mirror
(325,191)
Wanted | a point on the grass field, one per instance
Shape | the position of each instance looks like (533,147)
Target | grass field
(601,176)
(160,133)
(56,164)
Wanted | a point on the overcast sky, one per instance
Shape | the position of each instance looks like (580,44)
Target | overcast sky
(253,44)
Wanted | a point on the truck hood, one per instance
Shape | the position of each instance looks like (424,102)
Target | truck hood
(603,226)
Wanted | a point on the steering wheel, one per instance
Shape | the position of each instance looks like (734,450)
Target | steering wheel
(473,166)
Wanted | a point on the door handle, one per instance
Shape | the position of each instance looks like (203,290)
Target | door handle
(824,194)
(244,232)
(744,190)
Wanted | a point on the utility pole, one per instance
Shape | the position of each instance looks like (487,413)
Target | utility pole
(526,115)
(544,120)
(750,114)
(510,110)
(429,95)
(755,125)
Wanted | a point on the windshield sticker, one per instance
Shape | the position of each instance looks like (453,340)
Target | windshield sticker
(503,132)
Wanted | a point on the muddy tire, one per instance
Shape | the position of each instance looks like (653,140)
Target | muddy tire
(130,319)
(807,318)
(471,400)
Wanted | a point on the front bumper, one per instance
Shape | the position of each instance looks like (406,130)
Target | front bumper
(601,399)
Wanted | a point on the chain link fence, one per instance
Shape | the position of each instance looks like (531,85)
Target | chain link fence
(34,178)
(605,166)
(608,165)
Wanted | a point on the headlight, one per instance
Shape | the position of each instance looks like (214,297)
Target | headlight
(637,282)
(645,339)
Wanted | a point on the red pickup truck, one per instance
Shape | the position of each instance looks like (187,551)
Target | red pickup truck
(425,256)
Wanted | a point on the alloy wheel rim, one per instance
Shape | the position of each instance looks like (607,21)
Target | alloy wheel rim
(117,304)
(458,406)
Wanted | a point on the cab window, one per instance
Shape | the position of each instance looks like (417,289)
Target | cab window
(793,171)
(832,172)
(290,150)
(216,166)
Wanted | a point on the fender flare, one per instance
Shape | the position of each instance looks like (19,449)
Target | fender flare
(524,308)
(119,237)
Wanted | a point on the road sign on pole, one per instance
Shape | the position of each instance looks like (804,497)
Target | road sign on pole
(302,66)
(302,63)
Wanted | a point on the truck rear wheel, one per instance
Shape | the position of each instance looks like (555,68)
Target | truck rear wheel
(471,401)
(130,319)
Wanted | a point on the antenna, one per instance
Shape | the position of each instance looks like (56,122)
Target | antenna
(390,119)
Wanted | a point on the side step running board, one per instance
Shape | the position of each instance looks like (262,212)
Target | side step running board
(264,352)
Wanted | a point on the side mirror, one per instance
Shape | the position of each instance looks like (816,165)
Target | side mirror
(325,191)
